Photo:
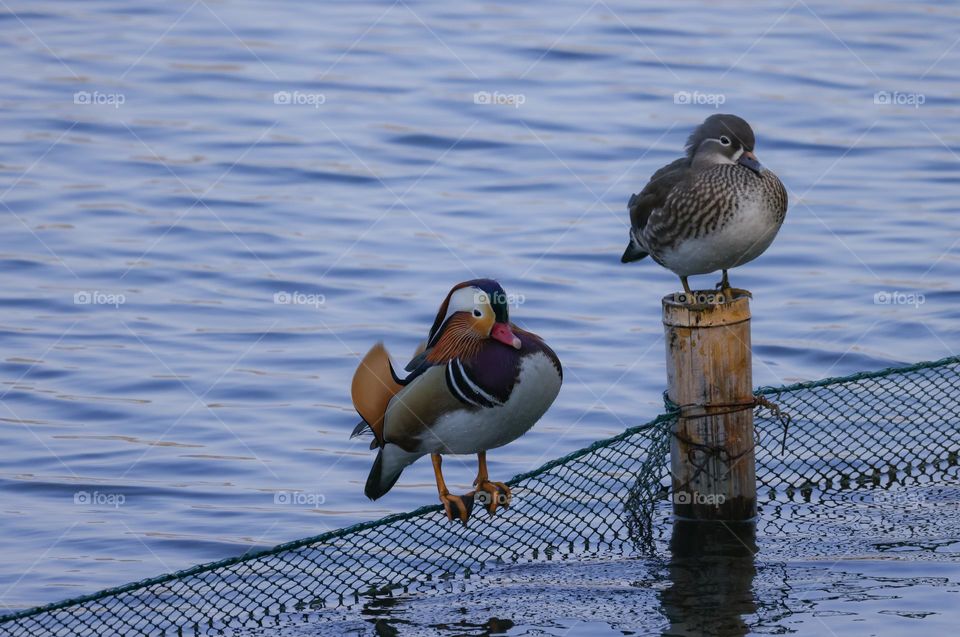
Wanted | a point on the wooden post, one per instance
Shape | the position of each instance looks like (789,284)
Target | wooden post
(710,377)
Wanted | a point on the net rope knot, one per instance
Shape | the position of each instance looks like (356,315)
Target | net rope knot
(700,454)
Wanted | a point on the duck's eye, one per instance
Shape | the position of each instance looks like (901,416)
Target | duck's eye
(725,140)
(477,313)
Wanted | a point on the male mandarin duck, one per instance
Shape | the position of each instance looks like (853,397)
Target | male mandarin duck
(477,383)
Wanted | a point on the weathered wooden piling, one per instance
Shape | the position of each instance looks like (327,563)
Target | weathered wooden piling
(710,378)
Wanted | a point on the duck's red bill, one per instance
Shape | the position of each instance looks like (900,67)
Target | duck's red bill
(501,332)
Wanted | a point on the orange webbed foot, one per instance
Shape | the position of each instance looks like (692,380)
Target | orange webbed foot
(492,495)
(461,504)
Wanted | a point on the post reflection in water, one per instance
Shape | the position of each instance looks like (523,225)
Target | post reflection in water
(711,573)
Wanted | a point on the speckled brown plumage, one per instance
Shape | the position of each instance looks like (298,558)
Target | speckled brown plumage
(714,209)
(705,201)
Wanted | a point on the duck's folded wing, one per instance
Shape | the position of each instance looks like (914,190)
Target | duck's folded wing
(654,194)
(414,409)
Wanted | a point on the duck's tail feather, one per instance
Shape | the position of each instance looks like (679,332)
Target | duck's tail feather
(633,252)
(390,462)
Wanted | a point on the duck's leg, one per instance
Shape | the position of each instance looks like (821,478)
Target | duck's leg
(686,286)
(496,493)
(462,504)
(724,286)
(724,282)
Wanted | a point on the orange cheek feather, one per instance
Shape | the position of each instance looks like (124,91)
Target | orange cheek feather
(483,325)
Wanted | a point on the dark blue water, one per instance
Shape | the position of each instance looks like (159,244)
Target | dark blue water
(172,173)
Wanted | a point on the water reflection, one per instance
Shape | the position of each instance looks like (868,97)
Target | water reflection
(711,571)
(841,562)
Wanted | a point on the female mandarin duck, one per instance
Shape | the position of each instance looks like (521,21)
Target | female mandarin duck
(477,383)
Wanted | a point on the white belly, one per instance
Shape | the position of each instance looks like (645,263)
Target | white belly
(749,232)
(466,431)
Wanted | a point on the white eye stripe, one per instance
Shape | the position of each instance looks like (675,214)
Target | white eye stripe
(463,300)
(719,140)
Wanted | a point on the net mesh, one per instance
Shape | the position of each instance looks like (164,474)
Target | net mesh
(866,429)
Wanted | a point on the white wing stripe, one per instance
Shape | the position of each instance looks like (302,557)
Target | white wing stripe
(452,384)
(473,385)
